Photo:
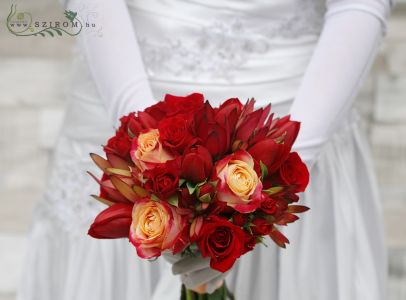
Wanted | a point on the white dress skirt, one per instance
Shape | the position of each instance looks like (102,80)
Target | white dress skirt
(336,250)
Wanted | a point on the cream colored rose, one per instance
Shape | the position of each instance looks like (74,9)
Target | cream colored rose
(155,227)
(241,178)
(148,141)
(147,150)
(149,221)
(239,185)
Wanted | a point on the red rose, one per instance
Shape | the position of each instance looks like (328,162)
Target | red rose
(112,223)
(222,241)
(174,132)
(157,111)
(197,164)
(120,144)
(163,180)
(187,105)
(261,227)
(294,172)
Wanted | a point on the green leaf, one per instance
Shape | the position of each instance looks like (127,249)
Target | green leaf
(214,183)
(102,200)
(264,170)
(206,198)
(191,187)
(174,200)
(121,172)
(155,198)
(50,33)
(181,182)
(273,190)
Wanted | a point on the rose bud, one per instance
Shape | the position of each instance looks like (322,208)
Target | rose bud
(147,150)
(155,227)
(186,199)
(261,226)
(268,205)
(250,242)
(113,222)
(197,164)
(222,241)
(294,172)
(206,192)
(239,185)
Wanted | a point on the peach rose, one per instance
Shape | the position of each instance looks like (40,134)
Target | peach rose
(239,185)
(147,150)
(155,227)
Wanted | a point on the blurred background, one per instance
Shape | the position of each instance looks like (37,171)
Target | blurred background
(34,74)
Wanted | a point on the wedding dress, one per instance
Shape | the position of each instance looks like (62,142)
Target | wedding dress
(307,57)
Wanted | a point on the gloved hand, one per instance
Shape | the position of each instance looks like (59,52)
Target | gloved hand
(195,271)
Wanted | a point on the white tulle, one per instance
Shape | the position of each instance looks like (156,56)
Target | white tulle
(265,49)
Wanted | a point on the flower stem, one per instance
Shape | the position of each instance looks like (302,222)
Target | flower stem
(190,295)
(222,293)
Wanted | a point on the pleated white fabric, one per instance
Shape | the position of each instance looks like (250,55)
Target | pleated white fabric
(336,250)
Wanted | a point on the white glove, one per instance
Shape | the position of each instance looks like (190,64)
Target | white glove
(346,49)
(195,271)
(113,56)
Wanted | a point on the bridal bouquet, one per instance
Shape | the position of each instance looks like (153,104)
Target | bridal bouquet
(183,177)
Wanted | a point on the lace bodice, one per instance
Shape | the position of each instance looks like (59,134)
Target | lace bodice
(218,40)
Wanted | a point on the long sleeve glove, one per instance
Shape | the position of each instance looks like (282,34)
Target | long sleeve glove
(346,49)
(113,56)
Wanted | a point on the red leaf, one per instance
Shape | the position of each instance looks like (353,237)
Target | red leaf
(117,162)
(286,218)
(278,238)
(297,209)
(124,188)
(100,161)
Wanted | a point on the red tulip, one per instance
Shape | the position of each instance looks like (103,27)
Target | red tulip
(112,223)
(197,164)
(270,153)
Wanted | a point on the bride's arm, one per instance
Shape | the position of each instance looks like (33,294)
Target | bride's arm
(114,57)
(346,49)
